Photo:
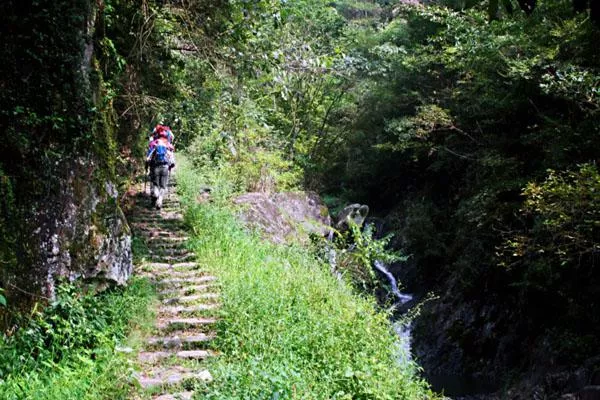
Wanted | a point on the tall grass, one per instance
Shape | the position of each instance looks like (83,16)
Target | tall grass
(288,329)
(67,351)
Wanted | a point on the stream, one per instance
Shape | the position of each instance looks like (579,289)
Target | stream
(449,384)
(401,326)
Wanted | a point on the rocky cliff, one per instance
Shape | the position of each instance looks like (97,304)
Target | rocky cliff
(59,206)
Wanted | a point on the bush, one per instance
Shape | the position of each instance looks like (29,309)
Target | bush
(288,328)
(67,350)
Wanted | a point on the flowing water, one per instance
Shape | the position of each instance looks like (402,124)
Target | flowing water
(402,297)
(453,385)
(402,327)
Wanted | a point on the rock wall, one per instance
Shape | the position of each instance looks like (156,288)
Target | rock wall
(59,205)
(86,236)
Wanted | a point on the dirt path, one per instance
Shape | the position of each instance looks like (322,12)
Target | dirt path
(173,359)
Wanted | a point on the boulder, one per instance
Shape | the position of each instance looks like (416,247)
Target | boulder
(353,212)
(88,236)
(285,217)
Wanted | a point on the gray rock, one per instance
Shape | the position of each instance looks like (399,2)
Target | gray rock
(87,237)
(353,212)
(285,217)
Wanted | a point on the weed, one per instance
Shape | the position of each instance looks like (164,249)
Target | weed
(288,328)
(67,350)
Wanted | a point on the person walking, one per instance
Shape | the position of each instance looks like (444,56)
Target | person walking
(159,162)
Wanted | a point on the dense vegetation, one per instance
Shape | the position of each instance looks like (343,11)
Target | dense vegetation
(471,127)
(473,130)
(68,349)
(289,329)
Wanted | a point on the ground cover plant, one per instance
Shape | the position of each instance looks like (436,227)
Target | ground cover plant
(67,351)
(289,329)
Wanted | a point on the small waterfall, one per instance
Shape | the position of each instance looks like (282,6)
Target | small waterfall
(402,327)
(402,297)
(403,330)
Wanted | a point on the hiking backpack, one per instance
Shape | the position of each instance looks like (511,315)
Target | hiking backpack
(161,154)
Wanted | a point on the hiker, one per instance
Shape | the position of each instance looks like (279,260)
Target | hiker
(158,129)
(160,159)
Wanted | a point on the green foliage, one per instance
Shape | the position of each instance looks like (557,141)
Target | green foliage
(71,343)
(288,328)
(445,117)
(358,250)
(139,248)
(563,240)
(567,206)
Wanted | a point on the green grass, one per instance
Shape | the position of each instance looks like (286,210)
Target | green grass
(67,351)
(288,329)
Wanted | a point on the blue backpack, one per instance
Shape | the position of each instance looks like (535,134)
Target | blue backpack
(161,155)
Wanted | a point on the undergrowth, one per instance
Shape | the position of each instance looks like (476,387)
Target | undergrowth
(289,329)
(67,350)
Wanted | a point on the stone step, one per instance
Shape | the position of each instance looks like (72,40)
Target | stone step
(174,323)
(165,212)
(154,356)
(152,266)
(187,309)
(181,340)
(169,235)
(190,290)
(190,280)
(172,376)
(185,265)
(168,275)
(183,258)
(174,252)
(165,277)
(187,290)
(169,267)
(171,206)
(160,244)
(157,222)
(191,298)
(168,215)
(167,239)
(178,273)
(155,217)
(161,229)
(175,396)
(152,237)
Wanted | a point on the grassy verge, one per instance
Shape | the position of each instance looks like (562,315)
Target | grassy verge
(68,350)
(288,329)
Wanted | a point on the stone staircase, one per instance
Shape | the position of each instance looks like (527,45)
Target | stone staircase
(173,358)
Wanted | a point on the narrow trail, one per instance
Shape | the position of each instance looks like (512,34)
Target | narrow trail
(173,358)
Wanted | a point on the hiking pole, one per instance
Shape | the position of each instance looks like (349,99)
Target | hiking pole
(145,182)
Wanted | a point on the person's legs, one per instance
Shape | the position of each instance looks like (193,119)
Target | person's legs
(155,183)
(163,176)
(151,178)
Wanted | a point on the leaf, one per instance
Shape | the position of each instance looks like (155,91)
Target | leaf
(3,300)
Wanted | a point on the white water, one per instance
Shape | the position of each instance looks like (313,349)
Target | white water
(403,297)
(403,330)
(402,327)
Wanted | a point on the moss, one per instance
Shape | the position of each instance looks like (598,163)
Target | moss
(103,130)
